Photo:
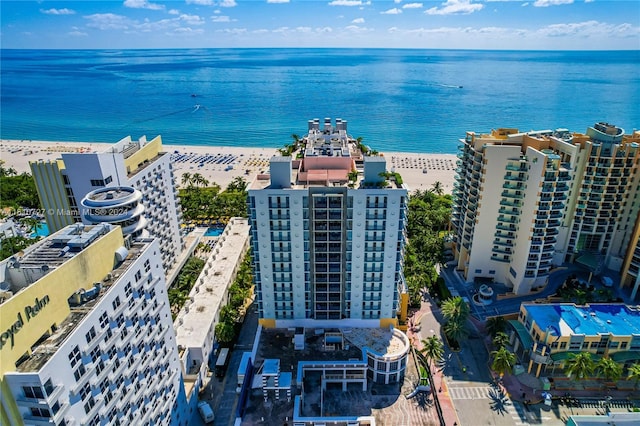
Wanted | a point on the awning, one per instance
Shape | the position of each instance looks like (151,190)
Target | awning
(626,356)
(563,356)
(523,334)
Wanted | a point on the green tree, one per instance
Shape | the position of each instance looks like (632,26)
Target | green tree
(229,314)
(580,365)
(503,361)
(225,332)
(501,339)
(634,374)
(437,188)
(238,184)
(432,349)
(494,325)
(609,369)
(177,299)
(186,179)
(455,309)
(455,330)
(31,223)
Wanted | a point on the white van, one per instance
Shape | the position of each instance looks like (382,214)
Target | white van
(206,412)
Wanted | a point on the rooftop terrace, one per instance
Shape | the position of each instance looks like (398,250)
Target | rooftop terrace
(617,319)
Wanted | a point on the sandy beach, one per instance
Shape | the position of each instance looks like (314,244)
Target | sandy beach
(221,164)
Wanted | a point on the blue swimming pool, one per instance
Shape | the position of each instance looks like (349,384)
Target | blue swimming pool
(213,232)
(42,230)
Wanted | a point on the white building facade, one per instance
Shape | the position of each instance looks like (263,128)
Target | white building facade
(63,184)
(102,348)
(328,244)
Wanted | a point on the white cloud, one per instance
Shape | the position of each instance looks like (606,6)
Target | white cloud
(349,3)
(277,1)
(412,6)
(64,11)
(200,2)
(546,3)
(397,1)
(356,29)
(142,4)
(220,18)
(589,29)
(228,3)
(358,21)
(174,12)
(455,7)
(394,11)
(186,31)
(108,21)
(77,34)
(191,19)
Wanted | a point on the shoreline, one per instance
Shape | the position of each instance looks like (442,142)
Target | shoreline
(222,164)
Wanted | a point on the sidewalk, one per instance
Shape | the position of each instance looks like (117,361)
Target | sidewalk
(441,389)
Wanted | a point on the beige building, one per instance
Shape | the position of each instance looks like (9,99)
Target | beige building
(525,203)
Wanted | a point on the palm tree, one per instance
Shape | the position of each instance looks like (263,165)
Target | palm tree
(455,309)
(609,369)
(437,188)
(30,223)
(495,325)
(455,330)
(503,361)
(580,365)
(501,339)
(186,179)
(432,349)
(634,374)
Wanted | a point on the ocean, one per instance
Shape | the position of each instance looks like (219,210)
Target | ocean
(395,99)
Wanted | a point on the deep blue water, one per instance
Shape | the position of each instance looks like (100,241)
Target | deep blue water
(397,100)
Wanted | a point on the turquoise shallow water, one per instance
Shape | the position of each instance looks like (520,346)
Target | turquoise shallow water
(397,100)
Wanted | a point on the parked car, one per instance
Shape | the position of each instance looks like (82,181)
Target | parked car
(206,412)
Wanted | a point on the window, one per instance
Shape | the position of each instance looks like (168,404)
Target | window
(127,289)
(108,180)
(104,320)
(91,334)
(95,354)
(79,372)
(89,405)
(116,302)
(34,392)
(138,276)
(40,412)
(74,356)
(97,182)
(85,391)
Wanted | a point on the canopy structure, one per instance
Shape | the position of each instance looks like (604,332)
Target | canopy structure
(593,262)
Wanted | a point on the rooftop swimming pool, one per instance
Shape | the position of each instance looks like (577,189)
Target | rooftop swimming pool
(213,232)
(618,319)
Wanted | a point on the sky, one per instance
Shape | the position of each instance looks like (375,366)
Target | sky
(449,24)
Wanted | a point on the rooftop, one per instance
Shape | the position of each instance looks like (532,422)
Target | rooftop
(325,157)
(22,270)
(209,293)
(43,350)
(617,319)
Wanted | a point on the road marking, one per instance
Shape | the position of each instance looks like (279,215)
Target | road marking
(472,392)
